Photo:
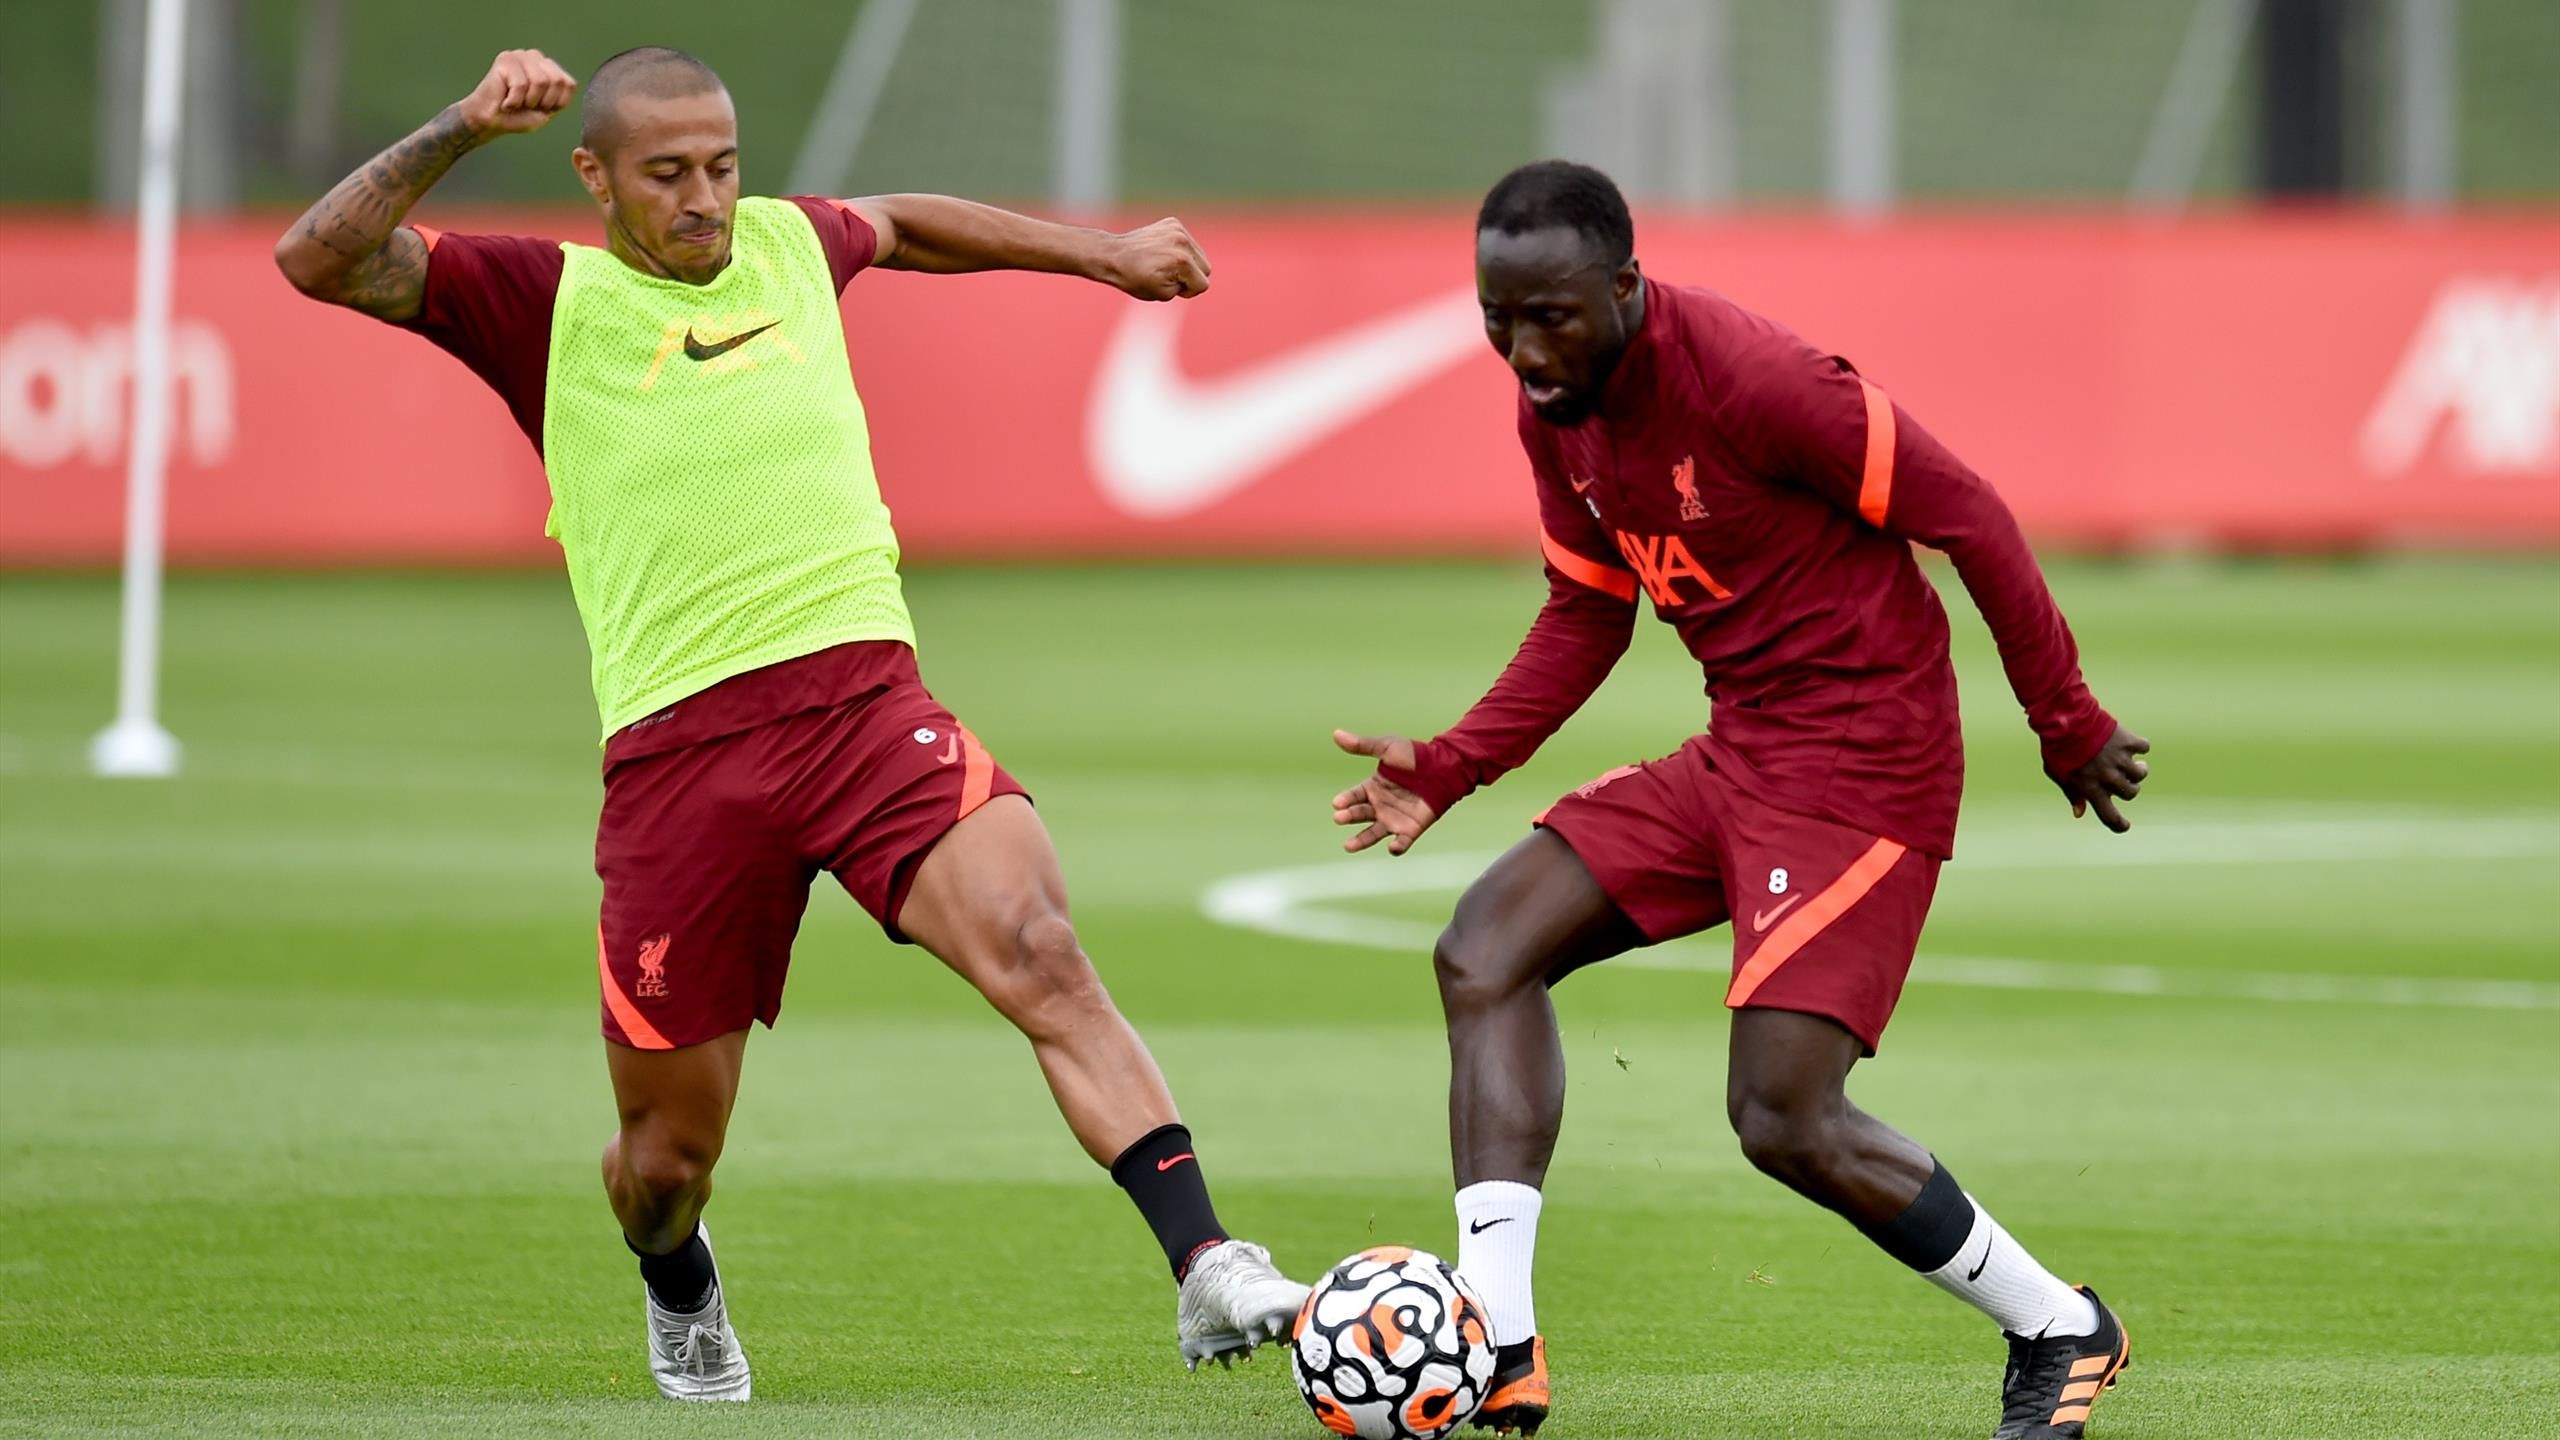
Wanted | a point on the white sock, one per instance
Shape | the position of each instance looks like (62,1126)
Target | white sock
(1497,1245)
(1995,1275)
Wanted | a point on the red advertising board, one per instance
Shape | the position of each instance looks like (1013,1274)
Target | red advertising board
(2280,381)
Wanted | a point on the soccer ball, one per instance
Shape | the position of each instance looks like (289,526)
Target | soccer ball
(1393,1345)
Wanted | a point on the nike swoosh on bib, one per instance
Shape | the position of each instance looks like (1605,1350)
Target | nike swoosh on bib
(1163,445)
(705,350)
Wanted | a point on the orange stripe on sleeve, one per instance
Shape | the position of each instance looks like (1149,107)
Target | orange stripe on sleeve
(977,774)
(1607,579)
(635,1026)
(1798,929)
(430,234)
(1875,488)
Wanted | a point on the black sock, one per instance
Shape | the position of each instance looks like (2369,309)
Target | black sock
(1928,1234)
(682,1278)
(1163,1178)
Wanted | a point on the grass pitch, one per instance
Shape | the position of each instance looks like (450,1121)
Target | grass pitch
(304,1093)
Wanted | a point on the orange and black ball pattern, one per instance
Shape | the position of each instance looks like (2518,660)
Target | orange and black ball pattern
(1393,1345)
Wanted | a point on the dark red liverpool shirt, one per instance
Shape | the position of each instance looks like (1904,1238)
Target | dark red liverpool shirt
(1762,495)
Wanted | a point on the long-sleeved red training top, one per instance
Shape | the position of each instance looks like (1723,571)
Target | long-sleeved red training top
(1762,495)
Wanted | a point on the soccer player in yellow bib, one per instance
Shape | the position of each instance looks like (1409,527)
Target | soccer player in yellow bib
(753,663)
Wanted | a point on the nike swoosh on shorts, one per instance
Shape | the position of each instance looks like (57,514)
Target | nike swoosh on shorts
(1763,919)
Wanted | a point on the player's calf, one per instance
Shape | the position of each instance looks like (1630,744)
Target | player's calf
(1786,1096)
(1478,971)
(657,1182)
(989,901)
(1043,981)
(1813,1146)
(1795,1123)
(657,1175)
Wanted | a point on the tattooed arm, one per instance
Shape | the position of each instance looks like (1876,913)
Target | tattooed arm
(351,249)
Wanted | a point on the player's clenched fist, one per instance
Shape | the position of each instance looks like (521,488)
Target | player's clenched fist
(1159,262)
(521,92)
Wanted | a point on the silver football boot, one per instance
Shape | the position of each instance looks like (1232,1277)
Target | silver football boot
(1233,1299)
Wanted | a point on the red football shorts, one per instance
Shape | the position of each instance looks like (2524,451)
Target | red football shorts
(1825,919)
(707,851)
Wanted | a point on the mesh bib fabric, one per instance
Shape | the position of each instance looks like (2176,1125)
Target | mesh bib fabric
(710,463)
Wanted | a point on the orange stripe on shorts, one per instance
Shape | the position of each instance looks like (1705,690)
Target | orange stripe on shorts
(635,1026)
(1875,488)
(977,774)
(1798,929)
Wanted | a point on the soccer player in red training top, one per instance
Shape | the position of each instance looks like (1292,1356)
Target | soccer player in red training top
(1762,495)
(712,492)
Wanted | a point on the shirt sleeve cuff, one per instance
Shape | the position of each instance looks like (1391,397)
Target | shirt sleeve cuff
(1439,778)
(2076,746)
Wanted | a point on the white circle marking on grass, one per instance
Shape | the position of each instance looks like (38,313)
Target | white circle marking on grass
(1297,903)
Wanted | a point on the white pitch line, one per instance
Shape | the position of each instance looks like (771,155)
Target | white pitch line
(1293,903)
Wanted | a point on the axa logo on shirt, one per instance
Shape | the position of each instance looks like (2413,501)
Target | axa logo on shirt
(2487,359)
(1661,562)
(64,392)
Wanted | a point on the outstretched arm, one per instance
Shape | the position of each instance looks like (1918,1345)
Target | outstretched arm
(939,235)
(1570,648)
(350,248)
(1945,506)
(1589,617)
(1846,439)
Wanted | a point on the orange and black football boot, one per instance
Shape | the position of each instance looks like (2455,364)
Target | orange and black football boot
(1518,1399)
(2052,1383)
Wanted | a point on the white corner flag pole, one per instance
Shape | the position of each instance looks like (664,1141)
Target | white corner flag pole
(136,744)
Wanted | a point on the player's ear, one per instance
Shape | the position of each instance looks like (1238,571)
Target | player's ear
(1625,282)
(591,173)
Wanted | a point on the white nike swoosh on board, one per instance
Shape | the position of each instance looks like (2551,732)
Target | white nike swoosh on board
(1163,445)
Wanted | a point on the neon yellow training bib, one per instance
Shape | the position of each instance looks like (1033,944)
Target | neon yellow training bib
(711,479)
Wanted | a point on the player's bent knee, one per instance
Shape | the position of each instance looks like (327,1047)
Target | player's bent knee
(1047,983)
(1792,1142)
(1475,968)
(664,1165)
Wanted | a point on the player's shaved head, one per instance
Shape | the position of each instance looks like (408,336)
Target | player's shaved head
(659,153)
(1561,195)
(1557,277)
(646,72)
